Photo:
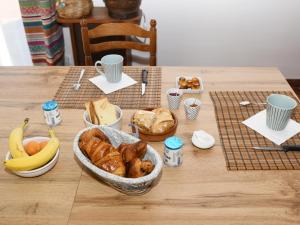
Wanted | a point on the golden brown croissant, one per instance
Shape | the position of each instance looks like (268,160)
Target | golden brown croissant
(97,147)
(101,152)
(138,168)
(113,163)
(93,133)
(131,151)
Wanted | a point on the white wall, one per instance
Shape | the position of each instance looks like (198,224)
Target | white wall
(227,33)
(13,43)
(211,32)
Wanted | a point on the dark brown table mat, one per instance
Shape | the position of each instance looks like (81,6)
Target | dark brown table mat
(237,139)
(126,98)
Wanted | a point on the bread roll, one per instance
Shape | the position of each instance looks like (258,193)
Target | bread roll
(144,119)
(164,121)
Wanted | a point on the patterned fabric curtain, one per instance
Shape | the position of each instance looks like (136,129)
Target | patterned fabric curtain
(44,35)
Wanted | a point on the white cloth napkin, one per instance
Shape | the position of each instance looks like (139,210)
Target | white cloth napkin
(107,87)
(258,123)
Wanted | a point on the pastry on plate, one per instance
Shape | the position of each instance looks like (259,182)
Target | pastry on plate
(196,83)
(182,83)
(189,83)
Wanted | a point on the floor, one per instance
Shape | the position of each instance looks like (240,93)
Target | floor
(295,84)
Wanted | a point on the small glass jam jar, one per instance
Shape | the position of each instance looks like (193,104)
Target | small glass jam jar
(51,113)
(173,155)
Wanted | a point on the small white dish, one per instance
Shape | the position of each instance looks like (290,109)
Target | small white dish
(203,140)
(39,171)
(116,125)
(189,90)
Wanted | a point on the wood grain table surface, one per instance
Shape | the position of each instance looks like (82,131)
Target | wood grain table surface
(201,191)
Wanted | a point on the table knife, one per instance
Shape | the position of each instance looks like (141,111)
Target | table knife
(284,148)
(144,80)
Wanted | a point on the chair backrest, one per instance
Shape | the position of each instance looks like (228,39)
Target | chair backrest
(118,29)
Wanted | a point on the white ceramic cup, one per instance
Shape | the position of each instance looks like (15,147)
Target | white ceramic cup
(191,112)
(174,97)
(279,111)
(112,66)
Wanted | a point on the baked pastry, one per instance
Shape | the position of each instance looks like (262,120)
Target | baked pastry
(164,121)
(138,168)
(101,112)
(189,84)
(196,83)
(195,79)
(192,83)
(93,133)
(97,147)
(101,153)
(156,121)
(144,119)
(182,83)
(132,151)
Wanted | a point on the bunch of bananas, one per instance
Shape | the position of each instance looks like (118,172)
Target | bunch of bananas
(20,159)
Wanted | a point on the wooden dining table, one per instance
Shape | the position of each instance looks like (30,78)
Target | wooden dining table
(200,191)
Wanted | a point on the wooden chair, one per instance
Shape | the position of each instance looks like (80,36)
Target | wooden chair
(118,29)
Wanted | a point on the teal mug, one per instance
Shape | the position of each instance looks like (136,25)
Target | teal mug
(112,67)
(279,111)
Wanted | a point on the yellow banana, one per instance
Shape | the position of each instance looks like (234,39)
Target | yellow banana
(15,141)
(37,160)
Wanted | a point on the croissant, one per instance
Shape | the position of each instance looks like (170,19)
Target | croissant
(93,133)
(131,151)
(101,152)
(138,168)
(125,160)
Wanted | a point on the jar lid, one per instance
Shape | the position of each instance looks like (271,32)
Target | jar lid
(173,143)
(49,105)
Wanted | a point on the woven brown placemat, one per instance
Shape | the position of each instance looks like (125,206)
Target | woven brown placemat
(237,139)
(126,98)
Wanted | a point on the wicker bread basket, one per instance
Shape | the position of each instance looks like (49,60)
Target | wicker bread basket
(147,136)
(73,9)
(129,186)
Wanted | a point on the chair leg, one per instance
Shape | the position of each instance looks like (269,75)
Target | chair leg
(128,58)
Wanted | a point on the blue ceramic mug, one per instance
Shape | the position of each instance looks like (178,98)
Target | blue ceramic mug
(279,111)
